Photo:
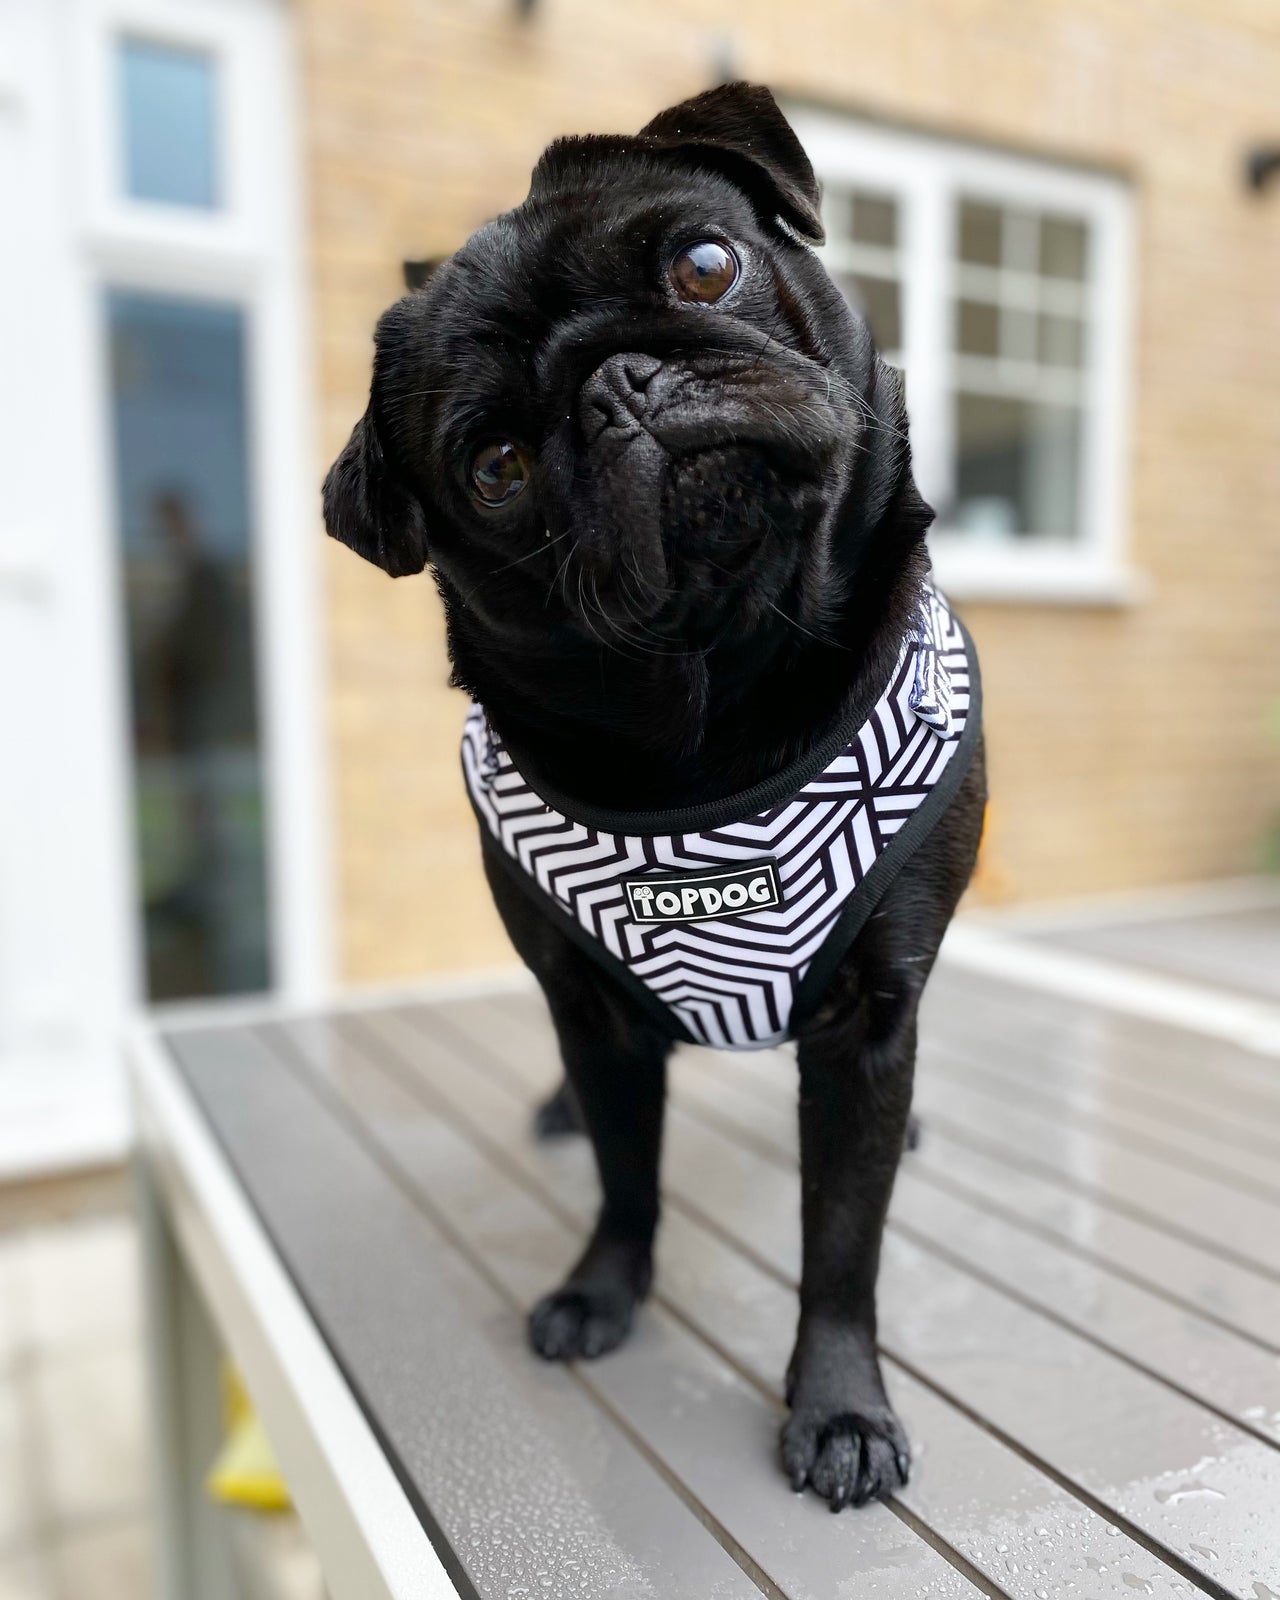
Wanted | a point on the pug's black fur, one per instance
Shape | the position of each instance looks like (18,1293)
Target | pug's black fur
(718,549)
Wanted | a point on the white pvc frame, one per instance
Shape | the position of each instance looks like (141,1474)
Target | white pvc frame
(247,251)
(201,1234)
(926,174)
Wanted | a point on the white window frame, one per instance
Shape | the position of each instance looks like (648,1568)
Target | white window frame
(927,175)
(245,251)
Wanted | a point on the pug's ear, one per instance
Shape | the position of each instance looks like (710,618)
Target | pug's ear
(370,509)
(739,129)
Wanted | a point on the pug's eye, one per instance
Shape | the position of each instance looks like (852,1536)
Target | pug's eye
(499,472)
(704,272)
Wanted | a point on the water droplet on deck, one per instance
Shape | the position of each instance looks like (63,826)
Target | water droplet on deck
(1188,1491)
(1133,1581)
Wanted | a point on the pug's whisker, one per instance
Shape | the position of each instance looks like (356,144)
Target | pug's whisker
(642,583)
(560,573)
(593,605)
(583,609)
(859,402)
(818,638)
(665,647)
(484,578)
(639,645)
(549,544)
(625,595)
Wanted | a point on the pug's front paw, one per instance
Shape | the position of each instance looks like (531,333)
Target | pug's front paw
(848,1457)
(581,1321)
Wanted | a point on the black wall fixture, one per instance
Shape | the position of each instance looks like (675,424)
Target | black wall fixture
(416,273)
(724,60)
(1261,165)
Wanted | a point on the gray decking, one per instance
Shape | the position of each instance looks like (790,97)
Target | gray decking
(1237,950)
(1080,1304)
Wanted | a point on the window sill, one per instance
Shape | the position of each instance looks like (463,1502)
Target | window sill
(1020,578)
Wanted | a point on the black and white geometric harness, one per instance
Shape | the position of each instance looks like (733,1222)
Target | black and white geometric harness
(731,918)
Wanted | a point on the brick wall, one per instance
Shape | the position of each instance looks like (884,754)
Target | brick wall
(1128,746)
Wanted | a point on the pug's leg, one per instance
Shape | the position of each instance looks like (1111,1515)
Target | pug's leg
(855,1096)
(615,1062)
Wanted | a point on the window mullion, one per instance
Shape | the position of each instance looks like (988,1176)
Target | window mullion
(927,347)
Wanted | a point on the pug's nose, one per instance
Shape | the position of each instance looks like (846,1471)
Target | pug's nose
(617,394)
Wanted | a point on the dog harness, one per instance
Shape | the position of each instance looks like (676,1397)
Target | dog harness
(729,919)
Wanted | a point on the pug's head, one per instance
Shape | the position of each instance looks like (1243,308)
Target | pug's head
(635,410)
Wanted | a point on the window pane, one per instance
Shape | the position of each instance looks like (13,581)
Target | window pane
(837,213)
(980,233)
(879,301)
(861,216)
(977,328)
(1062,248)
(179,415)
(1017,334)
(875,220)
(167,110)
(1017,467)
(1061,341)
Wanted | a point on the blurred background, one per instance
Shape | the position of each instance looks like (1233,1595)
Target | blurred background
(229,751)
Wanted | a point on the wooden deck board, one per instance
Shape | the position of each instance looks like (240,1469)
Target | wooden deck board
(1235,1149)
(1080,1307)
(1237,950)
(1236,1298)
(1049,1034)
(1218,1216)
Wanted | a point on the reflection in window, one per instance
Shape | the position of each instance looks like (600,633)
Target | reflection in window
(862,256)
(1019,339)
(168,116)
(179,415)
(1016,466)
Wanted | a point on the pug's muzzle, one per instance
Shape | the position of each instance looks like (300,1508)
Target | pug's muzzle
(700,463)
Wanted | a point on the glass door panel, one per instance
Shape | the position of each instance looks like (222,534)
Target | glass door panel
(180,425)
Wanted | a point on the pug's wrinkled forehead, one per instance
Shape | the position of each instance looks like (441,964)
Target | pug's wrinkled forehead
(736,129)
(610,219)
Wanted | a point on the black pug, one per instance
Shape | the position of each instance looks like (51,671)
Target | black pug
(663,482)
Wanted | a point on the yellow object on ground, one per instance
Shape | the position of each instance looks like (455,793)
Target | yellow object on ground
(990,884)
(245,1472)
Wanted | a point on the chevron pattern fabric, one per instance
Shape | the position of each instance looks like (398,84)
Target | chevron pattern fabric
(732,980)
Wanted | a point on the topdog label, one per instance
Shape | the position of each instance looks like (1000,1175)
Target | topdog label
(698,897)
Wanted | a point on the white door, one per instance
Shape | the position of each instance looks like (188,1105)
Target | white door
(158,674)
